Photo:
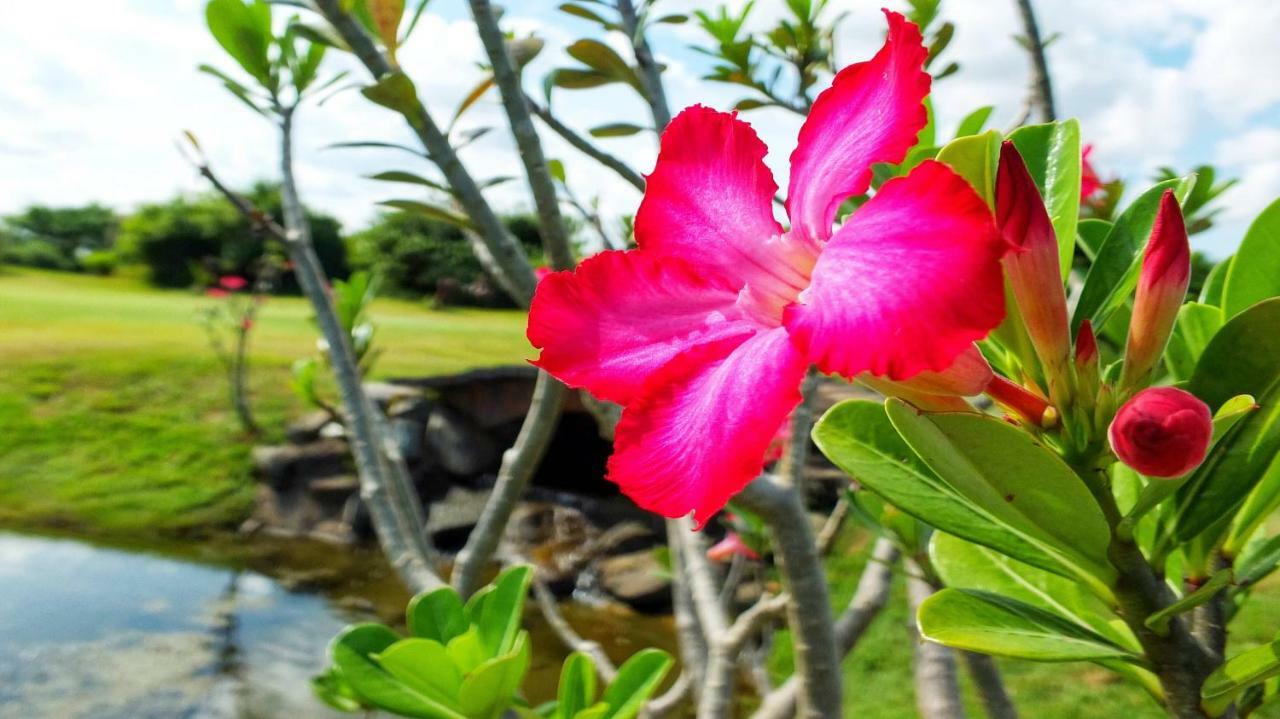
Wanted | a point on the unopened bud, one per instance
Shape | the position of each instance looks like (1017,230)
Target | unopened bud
(1162,432)
(1162,287)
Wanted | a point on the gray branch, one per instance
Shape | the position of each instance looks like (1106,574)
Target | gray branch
(986,677)
(937,686)
(809,611)
(650,73)
(1041,85)
(585,146)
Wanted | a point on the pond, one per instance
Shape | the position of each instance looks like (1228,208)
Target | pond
(210,630)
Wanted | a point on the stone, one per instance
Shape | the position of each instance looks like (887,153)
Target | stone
(308,427)
(462,447)
(638,580)
(287,464)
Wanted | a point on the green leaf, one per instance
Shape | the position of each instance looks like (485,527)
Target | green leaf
(1017,481)
(637,679)
(353,652)
(467,651)
(330,688)
(858,437)
(577,689)
(928,134)
(1240,672)
(975,158)
(1240,359)
(394,91)
(409,178)
(386,15)
(1256,274)
(371,144)
(435,212)
(973,123)
(1114,273)
(991,624)
(489,690)
(1195,326)
(574,79)
(1090,234)
(964,565)
(615,129)
(1258,559)
(584,13)
(424,666)
(1215,283)
(601,58)
(1261,503)
(437,615)
(499,618)
(238,29)
(308,67)
(1158,622)
(472,98)
(1052,154)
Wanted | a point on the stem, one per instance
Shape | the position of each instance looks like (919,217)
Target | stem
(515,274)
(1041,86)
(518,465)
(716,699)
(239,377)
(986,677)
(586,147)
(650,73)
(809,611)
(937,686)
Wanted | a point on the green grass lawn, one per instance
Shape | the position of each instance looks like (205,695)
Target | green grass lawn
(114,416)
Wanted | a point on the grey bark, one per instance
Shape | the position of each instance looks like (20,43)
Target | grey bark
(809,611)
(650,73)
(586,147)
(934,666)
(1041,84)
(986,677)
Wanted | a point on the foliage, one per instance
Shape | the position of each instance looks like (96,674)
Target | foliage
(351,301)
(415,256)
(59,238)
(188,238)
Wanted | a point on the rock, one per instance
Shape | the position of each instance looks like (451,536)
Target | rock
(461,446)
(342,484)
(638,580)
(333,532)
(308,427)
(284,465)
(558,540)
(450,519)
(386,395)
(626,538)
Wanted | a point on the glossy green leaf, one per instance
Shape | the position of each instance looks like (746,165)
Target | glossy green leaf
(1240,672)
(577,689)
(499,618)
(975,158)
(1052,154)
(435,212)
(1258,559)
(1261,503)
(973,123)
(437,615)
(991,624)
(1114,273)
(965,565)
(394,91)
(1090,234)
(330,688)
(467,651)
(598,711)
(1215,283)
(1195,326)
(637,679)
(602,58)
(1159,621)
(488,690)
(928,134)
(858,437)
(1256,274)
(353,652)
(424,666)
(1239,360)
(238,29)
(1231,412)
(1017,481)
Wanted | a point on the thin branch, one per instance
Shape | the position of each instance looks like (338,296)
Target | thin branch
(716,699)
(831,528)
(937,686)
(546,602)
(585,146)
(1040,80)
(650,72)
(809,611)
(986,677)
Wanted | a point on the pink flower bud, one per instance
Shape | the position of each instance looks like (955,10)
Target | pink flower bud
(1024,403)
(232,283)
(727,548)
(1162,287)
(1162,432)
(1086,346)
(1033,267)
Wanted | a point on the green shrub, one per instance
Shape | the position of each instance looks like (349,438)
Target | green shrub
(35,253)
(54,237)
(99,262)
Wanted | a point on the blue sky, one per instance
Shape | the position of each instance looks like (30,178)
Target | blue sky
(95,93)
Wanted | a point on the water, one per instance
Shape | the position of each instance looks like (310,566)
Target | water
(93,632)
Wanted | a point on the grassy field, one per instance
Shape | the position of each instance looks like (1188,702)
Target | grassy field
(114,417)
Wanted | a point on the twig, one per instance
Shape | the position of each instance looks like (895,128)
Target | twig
(716,699)
(585,146)
(546,602)
(831,528)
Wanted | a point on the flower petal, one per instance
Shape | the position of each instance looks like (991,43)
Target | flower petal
(621,316)
(709,201)
(699,433)
(872,112)
(907,284)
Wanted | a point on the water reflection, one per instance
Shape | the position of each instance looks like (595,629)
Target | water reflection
(93,632)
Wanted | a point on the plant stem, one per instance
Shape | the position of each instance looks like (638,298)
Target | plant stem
(937,686)
(1041,85)
(650,73)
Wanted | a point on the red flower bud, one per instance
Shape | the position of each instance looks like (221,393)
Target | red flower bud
(1033,267)
(1086,345)
(232,282)
(1162,287)
(1090,183)
(1162,432)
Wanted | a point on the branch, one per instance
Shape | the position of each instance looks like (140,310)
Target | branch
(1040,82)
(986,677)
(518,465)
(809,611)
(937,687)
(585,146)
(868,600)
(546,602)
(516,274)
(650,73)
(831,528)
(716,699)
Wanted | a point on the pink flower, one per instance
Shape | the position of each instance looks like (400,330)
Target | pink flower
(216,293)
(1162,288)
(732,545)
(705,331)
(233,283)
(1162,432)
(1090,183)
(969,375)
